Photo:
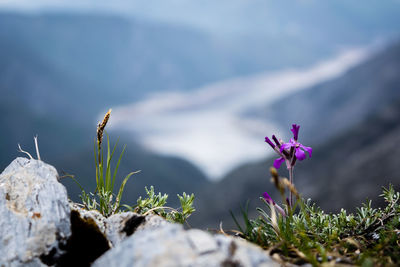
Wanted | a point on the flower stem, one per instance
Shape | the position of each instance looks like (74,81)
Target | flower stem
(291,181)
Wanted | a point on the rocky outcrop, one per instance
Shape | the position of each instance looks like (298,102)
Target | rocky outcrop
(171,245)
(34,214)
(39,227)
(119,226)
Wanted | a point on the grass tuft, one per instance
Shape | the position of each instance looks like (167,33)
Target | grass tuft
(107,202)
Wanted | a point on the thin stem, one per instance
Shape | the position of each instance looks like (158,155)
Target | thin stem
(99,152)
(291,182)
(157,208)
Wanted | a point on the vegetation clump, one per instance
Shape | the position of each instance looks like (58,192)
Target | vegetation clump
(107,203)
(156,203)
(300,232)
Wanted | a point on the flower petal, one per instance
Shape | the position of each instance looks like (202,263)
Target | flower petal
(280,210)
(293,142)
(308,149)
(268,199)
(286,146)
(276,140)
(269,142)
(295,130)
(300,155)
(278,162)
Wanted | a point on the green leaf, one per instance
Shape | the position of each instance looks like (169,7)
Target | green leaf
(130,208)
(108,171)
(76,181)
(236,222)
(121,188)
(96,163)
(99,168)
(117,167)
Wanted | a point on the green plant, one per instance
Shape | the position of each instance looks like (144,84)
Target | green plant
(370,235)
(105,179)
(107,203)
(301,232)
(104,200)
(156,203)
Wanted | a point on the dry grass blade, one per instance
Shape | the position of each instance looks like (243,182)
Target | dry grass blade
(291,187)
(22,151)
(35,138)
(276,181)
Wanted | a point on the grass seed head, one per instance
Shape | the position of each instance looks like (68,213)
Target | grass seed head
(101,126)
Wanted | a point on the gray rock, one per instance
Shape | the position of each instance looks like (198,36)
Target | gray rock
(152,222)
(95,215)
(121,225)
(40,227)
(171,245)
(35,215)
(116,227)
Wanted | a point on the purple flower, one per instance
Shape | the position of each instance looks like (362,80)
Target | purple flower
(295,130)
(291,151)
(268,199)
(278,162)
(298,149)
(267,140)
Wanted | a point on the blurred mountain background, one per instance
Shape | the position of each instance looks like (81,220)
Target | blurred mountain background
(353,139)
(175,71)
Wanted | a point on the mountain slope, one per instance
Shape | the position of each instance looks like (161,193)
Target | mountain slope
(122,59)
(330,108)
(68,68)
(119,58)
(341,174)
(357,158)
(58,72)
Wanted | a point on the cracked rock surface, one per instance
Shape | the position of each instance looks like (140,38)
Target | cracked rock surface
(171,245)
(34,214)
(119,226)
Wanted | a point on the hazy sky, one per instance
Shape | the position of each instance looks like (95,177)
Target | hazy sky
(206,14)
(269,16)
